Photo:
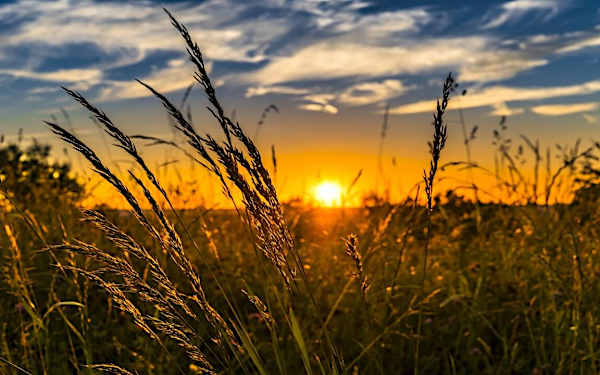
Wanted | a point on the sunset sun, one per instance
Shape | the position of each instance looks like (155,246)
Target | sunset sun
(328,193)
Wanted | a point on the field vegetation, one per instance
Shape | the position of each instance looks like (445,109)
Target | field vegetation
(454,282)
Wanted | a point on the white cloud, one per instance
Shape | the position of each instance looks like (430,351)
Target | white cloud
(516,9)
(222,28)
(42,90)
(76,79)
(501,109)
(320,98)
(327,108)
(372,92)
(355,95)
(496,65)
(143,27)
(478,59)
(385,23)
(319,103)
(542,38)
(131,31)
(62,75)
(578,45)
(502,94)
(565,109)
(342,42)
(175,76)
(264,90)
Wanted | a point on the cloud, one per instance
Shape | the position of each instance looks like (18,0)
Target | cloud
(129,33)
(478,59)
(496,66)
(501,109)
(327,108)
(356,95)
(76,79)
(516,9)
(585,43)
(565,109)
(62,75)
(542,38)
(220,29)
(320,98)
(342,16)
(319,103)
(42,90)
(372,92)
(176,76)
(271,44)
(502,94)
(225,30)
(386,23)
(264,90)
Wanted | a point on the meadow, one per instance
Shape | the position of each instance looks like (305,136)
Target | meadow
(438,283)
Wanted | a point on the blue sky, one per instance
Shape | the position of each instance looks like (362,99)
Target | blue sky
(331,66)
(328,55)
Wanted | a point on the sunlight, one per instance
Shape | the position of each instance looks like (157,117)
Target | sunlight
(328,193)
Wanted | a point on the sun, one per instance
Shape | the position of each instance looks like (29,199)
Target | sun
(328,193)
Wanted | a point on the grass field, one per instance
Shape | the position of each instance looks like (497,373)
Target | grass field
(424,286)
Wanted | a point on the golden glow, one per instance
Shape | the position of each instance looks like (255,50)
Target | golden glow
(328,193)
(188,186)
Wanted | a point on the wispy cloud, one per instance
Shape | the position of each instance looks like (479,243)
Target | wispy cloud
(290,47)
(42,90)
(501,109)
(383,24)
(494,96)
(565,109)
(130,32)
(593,41)
(477,58)
(176,76)
(319,103)
(372,92)
(141,26)
(320,98)
(62,75)
(514,10)
(355,95)
(225,30)
(316,107)
(264,90)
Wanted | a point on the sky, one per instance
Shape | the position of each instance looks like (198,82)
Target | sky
(330,67)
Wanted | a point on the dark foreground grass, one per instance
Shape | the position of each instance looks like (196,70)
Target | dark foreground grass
(519,295)
(457,288)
